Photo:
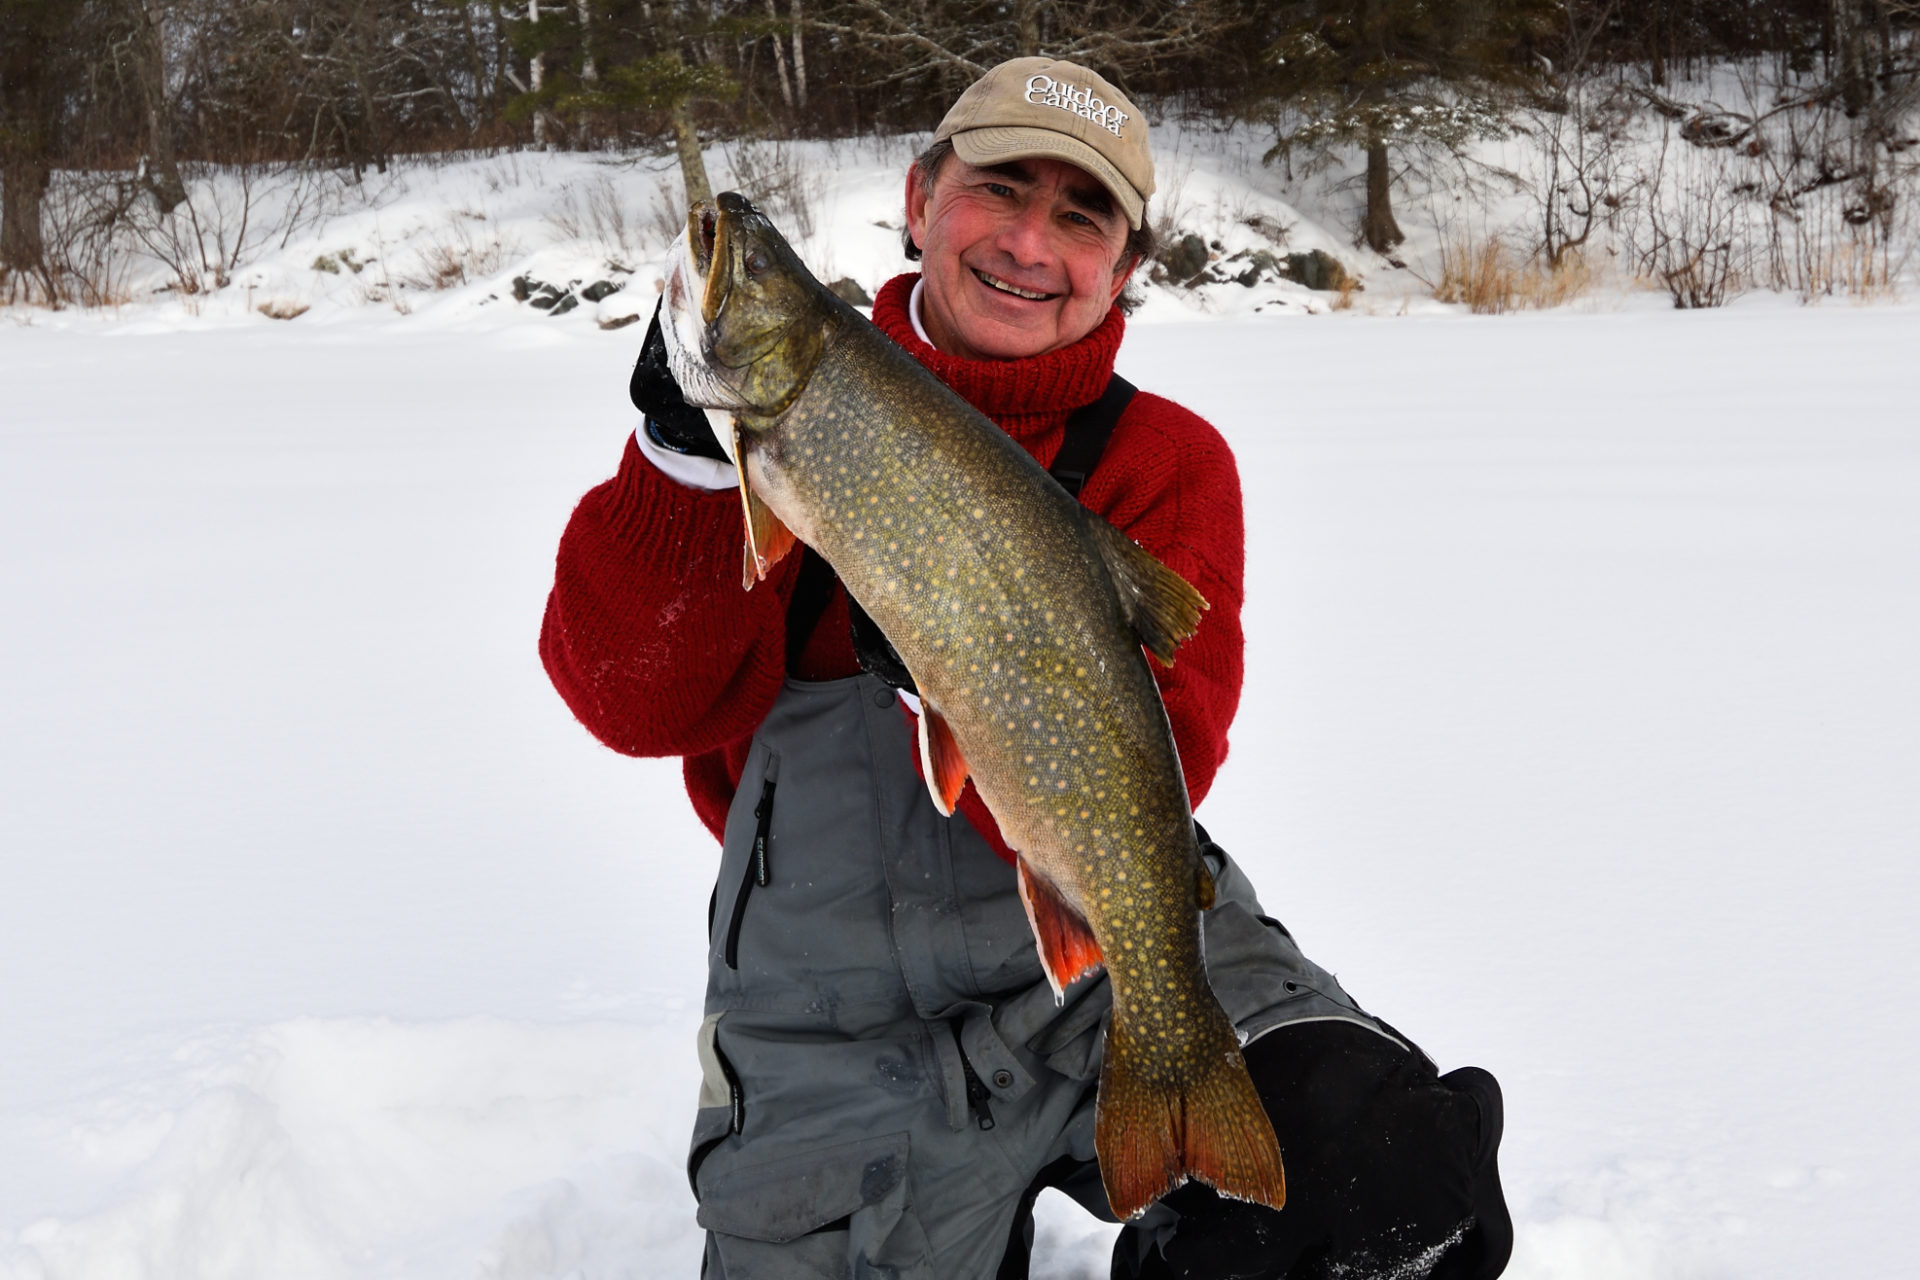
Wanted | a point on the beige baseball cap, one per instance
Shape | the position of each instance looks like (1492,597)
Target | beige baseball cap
(1030,107)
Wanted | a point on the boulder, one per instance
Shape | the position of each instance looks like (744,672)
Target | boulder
(1318,270)
(599,289)
(848,290)
(1184,259)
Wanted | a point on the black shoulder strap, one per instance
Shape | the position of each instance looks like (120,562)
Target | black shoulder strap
(812,593)
(1088,431)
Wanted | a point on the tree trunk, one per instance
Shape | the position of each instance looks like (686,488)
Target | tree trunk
(163,171)
(1849,37)
(686,143)
(1027,29)
(25,170)
(582,134)
(780,58)
(589,69)
(536,80)
(1382,232)
(25,176)
(799,59)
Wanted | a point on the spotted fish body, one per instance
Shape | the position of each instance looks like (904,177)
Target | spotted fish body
(1021,617)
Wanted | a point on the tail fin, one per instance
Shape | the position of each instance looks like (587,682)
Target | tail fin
(1154,1134)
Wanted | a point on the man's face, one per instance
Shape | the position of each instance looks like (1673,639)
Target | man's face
(1019,259)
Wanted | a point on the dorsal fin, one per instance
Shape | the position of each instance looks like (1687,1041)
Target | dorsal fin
(1161,606)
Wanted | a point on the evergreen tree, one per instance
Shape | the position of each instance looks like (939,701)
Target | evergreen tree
(1377,74)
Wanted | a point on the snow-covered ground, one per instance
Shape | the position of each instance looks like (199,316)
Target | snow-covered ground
(1580,737)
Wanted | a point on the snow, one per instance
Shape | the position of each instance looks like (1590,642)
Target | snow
(1579,738)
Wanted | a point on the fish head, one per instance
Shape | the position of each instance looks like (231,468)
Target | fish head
(747,320)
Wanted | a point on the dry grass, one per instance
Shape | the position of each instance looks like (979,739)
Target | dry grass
(458,256)
(282,310)
(1490,279)
(594,212)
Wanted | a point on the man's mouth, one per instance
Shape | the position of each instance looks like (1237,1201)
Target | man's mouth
(995,282)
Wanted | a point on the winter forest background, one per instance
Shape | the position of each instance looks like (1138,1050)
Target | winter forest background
(1704,146)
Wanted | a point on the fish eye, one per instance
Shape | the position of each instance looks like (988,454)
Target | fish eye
(757,262)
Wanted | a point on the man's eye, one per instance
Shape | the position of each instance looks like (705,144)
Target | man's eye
(1083,219)
(999,188)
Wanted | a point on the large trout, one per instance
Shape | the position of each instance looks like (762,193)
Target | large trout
(1021,616)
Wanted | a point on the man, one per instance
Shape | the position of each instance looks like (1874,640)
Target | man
(887,1079)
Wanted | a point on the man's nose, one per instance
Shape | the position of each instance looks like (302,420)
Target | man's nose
(1024,236)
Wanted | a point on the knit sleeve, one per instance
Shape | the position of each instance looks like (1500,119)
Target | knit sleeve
(1169,482)
(648,636)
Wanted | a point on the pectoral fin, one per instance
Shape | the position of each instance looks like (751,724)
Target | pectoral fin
(1068,948)
(941,763)
(768,540)
(1162,607)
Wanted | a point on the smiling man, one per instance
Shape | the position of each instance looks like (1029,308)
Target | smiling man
(888,1082)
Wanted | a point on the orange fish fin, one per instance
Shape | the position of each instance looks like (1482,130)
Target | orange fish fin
(768,540)
(940,761)
(1068,948)
(1161,606)
(1154,1133)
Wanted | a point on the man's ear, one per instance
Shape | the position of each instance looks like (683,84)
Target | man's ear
(916,203)
(1121,275)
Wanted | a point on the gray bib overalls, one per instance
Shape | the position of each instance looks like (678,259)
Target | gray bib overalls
(884,1068)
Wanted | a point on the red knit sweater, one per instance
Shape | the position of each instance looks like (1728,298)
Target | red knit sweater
(652,643)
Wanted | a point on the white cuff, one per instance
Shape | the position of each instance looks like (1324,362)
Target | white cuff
(708,474)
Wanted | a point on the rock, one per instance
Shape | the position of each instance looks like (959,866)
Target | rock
(1271,228)
(566,303)
(1318,270)
(619,322)
(1185,259)
(599,289)
(848,290)
(523,287)
(1261,265)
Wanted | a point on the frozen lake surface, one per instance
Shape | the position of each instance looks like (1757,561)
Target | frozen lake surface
(1580,737)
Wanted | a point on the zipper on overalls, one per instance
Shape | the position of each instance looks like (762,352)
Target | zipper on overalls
(978,1099)
(756,870)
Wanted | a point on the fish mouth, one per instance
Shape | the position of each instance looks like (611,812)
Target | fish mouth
(707,235)
(1003,286)
(696,288)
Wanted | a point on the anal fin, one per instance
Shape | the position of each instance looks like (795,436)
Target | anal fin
(1068,948)
(940,761)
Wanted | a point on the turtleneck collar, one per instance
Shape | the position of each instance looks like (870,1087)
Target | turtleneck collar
(1027,397)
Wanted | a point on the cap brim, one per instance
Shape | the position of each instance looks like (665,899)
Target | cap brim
(1000,144)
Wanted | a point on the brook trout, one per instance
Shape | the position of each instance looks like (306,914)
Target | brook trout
(1021,616)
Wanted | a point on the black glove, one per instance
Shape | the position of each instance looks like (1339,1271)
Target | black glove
(875,652)
(672,423)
